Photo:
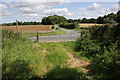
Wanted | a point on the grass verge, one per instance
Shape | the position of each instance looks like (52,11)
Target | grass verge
(45,34)
(23,59)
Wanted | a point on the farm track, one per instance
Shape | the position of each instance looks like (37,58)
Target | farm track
(75,62)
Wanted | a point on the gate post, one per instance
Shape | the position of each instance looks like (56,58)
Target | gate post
(37,36)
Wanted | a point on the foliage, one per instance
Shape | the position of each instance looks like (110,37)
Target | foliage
(87,47)
(118,16)
(102,45)
(100,20)
(70,25)
(73,20)
(53,27)
(55,19)
(106,31)
(110,18)
(22,23)
(17,55)
(107,66)
(84,20)
(63,72)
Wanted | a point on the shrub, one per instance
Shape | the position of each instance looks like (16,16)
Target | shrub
(53,27)
(102,45)
(57,28)
(87,47)
(70,25)
(106,31)
(107,66)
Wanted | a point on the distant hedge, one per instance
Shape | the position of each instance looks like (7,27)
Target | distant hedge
(106,31)
(70,25)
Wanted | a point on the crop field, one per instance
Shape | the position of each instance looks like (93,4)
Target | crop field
(88,24)
(28,28)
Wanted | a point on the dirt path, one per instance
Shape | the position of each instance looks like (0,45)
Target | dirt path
(75,62)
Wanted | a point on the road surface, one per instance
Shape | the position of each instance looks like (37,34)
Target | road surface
(69,36)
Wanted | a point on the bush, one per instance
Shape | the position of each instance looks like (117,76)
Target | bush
(53,27)
(70,25)
(107,31)
(103,47)
(57,28)
(107,66)
(87,47)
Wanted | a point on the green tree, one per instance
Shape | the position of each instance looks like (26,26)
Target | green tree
(84,20)
(118,16)
(100,20)
(55,19)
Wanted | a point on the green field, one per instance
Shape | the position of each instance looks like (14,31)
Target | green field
(59,31)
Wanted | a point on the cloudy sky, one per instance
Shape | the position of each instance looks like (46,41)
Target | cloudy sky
(35,10)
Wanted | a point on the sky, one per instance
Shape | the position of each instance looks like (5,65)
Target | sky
(35,10)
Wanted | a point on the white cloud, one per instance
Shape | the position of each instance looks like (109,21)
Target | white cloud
(24,4)
(59,11)
(79,15)
(32,9)
(27,10)
(94,6)
(33,15)
(33,3)
(114,7)
(3,12)
(3,6)
(6,13)
(103,11)
(33,6)
(42,0)
(69,14)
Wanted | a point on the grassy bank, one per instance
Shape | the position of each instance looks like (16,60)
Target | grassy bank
(23,59)
(57,32)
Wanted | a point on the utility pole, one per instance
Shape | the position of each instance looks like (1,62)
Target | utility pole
(17,26)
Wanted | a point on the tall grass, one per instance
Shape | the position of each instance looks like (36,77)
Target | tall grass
(17,54)
(23,59)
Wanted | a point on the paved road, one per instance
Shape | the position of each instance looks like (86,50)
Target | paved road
(69,36)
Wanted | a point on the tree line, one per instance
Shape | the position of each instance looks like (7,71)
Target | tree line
(109,18)
(22,23)
(55,19)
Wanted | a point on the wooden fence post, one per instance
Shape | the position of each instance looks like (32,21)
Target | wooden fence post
(37,36)
(17,26)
